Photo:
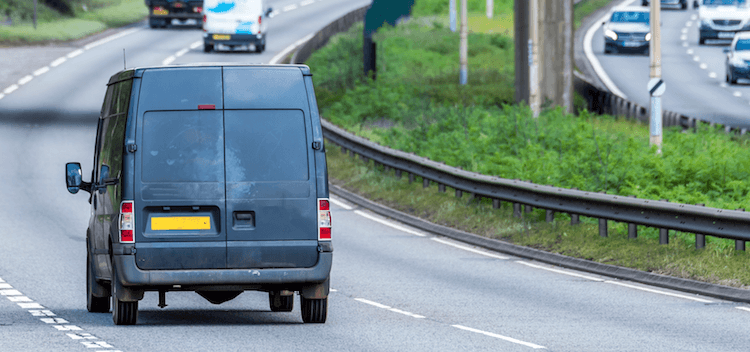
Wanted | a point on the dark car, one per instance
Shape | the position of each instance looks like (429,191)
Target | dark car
(627,31)
(683,4)
(162,12)
(218,188)
(738,58)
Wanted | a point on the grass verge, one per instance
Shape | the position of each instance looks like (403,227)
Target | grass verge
(585,8)
(111,14)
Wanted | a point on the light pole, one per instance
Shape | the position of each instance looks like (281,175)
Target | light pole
(464,51)
(535,99)
(453,15)
(35,14)
(655,83)
(490,8)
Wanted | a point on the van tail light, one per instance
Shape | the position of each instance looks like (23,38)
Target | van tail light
(260,20)
(324,220)
(204,18)
(127,222)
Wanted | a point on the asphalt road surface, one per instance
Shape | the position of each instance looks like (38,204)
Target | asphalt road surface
(694,74)
(394,289)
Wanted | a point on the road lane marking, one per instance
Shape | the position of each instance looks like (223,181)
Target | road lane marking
(694,17)
(737,94)
(196,45)
(469,249)
(10,292)
(4,285)
(67,327)
(288,49)
(684,30)
(712,75)
(96,344)
(289,8)
(168,60)
(30,305)
(696,58)
(41,71)
(389,224)
(498,336)
(19,299)
(110,38)
(395,310)
(685,44)
(559,271)
(2,95)
(54,321)
(306,2)
(703,66)
(10,89)
(683,37)
(58,62)
(723,85)
(42,313)
(25,80)
(81,336)
(690,51)
(340,203)
(658,291)
(744,308)
(689,24)
(74,54)
(181,52)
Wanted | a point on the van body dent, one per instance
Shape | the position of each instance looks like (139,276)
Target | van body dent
(232,23)
(217,188)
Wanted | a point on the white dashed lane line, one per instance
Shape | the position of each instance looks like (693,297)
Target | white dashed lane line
(41,71)
(58,62)
(289,8)
(48,317)
(11,89)
(25,80)
(307,2)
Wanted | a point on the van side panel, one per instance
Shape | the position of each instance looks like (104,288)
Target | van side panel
(321,166)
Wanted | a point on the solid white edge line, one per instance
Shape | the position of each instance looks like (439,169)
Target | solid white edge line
(339,203)
(659,292)
(564,272)
(10,89)
(375,304)
(196,44)
(41,71)
(469,249)
(58,62)
(389,224)
(595,64)
(25,80)
(409,314)
(744,308)
(288,49)
(506,338)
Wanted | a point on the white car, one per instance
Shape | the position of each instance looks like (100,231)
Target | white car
(721,19)
(234,23)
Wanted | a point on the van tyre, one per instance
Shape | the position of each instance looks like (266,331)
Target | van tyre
(280,303)
(314,310)
(123,313)
(94,304)
(207,48)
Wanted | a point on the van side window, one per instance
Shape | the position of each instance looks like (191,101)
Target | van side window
(112,140)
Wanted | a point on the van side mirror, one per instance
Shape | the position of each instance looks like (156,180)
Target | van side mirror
(726,50)
(74,179)
(696,4)
(269,11)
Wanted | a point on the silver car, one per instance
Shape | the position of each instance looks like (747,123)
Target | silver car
(738,58)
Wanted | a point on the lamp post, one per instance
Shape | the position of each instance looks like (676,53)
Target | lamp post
(655,122)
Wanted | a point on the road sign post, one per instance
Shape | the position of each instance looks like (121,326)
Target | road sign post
(464,50)
(452,10)
(655,85)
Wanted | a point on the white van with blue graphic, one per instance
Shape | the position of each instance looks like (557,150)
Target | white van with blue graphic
(234,23)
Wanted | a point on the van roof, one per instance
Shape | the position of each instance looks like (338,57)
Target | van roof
(138,71)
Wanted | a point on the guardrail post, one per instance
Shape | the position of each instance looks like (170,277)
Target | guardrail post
(663,236)
(496,204)
(574,220)
(739,245)
(549,216)
(398,174)
(411,177)
(528,208)
(425,183)
(459,193)
(441,188)
(603,227)
(352,153)
(343,150)
(700,241)
(517,210)
(632,231)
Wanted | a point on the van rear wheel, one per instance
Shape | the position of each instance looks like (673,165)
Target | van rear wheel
(207,48)
(314,310)
(123,313)
(280,303)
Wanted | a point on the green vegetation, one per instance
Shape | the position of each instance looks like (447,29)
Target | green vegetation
(75,19)
(416,105)
(585,8)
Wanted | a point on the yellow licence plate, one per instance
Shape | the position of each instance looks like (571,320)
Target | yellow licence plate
(181,223)
(161,12)
(221,37)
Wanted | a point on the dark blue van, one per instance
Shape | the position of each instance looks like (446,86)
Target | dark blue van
(208,178)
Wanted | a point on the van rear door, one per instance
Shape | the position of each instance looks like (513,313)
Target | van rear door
(179,171)
(270,184)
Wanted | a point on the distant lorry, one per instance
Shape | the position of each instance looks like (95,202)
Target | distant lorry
(162,12)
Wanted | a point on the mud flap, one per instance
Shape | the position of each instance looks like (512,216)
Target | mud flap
(316,291)
(125,294)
